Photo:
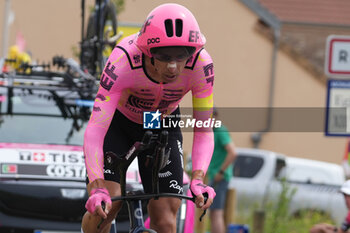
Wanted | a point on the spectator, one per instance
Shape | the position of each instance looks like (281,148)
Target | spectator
(328,228)
(219,174)
(346,161)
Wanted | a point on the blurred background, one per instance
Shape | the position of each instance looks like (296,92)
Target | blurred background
(267,54)
(272,71)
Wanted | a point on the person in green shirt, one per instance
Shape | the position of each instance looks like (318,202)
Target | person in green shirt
(219,174)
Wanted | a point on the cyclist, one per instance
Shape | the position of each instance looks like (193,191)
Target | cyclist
(150,71)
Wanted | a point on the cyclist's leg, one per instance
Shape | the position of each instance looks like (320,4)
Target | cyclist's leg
(163,214)
(163,211)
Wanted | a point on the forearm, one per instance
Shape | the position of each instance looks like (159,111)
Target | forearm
(98,183)
(202,151)
(198,175)
(93,153)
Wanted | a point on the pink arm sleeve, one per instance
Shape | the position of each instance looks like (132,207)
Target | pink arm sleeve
(106,101)
(202,99)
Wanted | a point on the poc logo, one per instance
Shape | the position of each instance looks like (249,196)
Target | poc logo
(153,41)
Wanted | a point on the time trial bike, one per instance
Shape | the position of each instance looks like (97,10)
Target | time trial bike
(157,160)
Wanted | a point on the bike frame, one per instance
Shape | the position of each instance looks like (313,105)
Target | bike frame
(133,199)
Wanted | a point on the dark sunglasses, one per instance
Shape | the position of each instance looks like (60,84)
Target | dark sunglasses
(172,53)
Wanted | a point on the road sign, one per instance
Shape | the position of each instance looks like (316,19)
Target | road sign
(337,60)
(338,108)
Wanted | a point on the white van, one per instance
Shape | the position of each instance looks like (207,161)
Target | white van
(258,180)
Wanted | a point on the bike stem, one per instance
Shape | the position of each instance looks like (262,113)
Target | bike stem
(158,161)
(123,162)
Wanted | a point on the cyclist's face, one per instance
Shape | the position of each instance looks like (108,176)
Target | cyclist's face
(169,71)
(170,62)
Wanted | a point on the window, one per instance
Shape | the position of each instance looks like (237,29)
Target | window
(36,117)
(247,166)
(280,163)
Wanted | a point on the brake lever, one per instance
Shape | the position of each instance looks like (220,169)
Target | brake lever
(103,206)
(205,195)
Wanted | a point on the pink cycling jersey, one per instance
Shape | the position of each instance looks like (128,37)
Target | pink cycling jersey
(126,86)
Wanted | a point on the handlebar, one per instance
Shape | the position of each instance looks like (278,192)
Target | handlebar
(133,197)
(159,160)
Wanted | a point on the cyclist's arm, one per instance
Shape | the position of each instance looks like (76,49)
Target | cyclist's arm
(202,101)
(106,102)
(203,137)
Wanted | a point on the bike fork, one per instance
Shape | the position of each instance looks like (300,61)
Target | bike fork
(113,227)
(135,214)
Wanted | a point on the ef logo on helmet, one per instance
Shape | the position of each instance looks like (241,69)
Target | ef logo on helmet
(153,41)
(194,36)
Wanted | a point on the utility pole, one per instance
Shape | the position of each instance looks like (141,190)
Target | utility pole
(5,29)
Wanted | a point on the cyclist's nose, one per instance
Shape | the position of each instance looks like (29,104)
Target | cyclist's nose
(172,66)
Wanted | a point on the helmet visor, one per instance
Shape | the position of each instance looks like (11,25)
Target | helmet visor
(172,53)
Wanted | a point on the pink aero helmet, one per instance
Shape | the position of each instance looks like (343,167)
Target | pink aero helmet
(169,25)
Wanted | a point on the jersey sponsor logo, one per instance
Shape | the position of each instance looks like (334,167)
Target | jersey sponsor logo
(173,94)
(175,185)
(145,92)
(210,80)
(151,120)
(165,103)
(108,77)
(140,102)
(134,110)
(100,97)
(173,90)
(108,171)
(145,25)
(137,58)
(194,36)
(208,69)
(96,109)
(164,174)
(153,40)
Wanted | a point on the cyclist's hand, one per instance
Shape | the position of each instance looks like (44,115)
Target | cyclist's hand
(94,203)
(198,188)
